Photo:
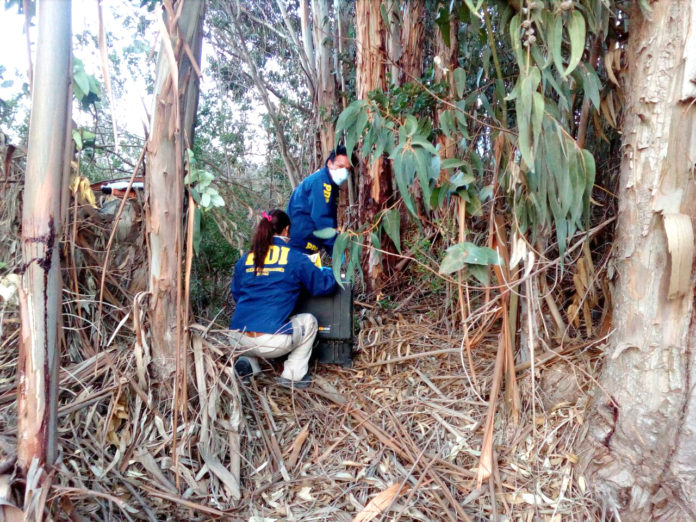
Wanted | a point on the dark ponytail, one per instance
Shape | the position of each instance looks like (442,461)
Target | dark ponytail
(272,223)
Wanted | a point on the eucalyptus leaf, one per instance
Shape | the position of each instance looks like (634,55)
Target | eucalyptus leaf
(77,137)
(462,254)
(423,172)
(460,81)
(82,82)
(447,123)
(337,254)
(391,221)
(347,118)
(452,163)
(462,179)
(410,125)
(404,169)
(576,32)
(480,273)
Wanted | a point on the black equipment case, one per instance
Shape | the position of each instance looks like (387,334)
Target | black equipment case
(334,313)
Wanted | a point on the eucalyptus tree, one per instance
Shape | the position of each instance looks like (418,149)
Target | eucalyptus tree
(175,104)
(40,295)
(644,453)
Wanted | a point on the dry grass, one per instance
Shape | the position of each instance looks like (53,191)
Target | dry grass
(389,440)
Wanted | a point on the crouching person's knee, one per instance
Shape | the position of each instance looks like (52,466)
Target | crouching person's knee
(304,327)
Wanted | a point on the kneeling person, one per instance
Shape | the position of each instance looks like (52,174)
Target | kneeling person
(266,285)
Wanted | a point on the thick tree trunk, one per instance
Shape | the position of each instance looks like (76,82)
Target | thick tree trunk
(375,187)
(171,131)
(412,40)
(644,455)
(325,82)
(41,223)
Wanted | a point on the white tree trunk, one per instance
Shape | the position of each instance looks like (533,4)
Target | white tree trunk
(41,224)
(644,461)
(171,130)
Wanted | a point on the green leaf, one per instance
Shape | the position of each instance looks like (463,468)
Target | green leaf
(486,193)
(452,163)
(374,239)
(590,172)
(337,253)
(404,169)
(460,81)
(556,41)
(78,139)
(354,256)
(461,179)
(537,114)
(325,233)
(347,118)
(391,221)
(410,125)
(205,200)
(82,82)
(423,173)
(480,273)
(217,201)
(576,31)
(447,123)
(467,253)
(423,142)
(515,39)
(591,84)
(529,85)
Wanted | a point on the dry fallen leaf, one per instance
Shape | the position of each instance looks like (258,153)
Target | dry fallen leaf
(379,503)
(306,494)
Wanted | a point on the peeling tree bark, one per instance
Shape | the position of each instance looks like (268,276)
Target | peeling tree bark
(41,223)
(644,436)
(375,187)
(412,40)
(173,117)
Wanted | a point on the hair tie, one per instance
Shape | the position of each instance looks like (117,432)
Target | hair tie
(269,218)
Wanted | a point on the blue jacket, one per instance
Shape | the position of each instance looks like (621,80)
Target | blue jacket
(312,207)
(265,301)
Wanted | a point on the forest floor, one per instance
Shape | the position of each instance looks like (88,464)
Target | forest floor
(396,437)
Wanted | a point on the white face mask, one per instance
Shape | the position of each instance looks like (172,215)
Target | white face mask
(339,176)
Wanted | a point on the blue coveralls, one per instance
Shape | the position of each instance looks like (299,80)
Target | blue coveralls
(313,206)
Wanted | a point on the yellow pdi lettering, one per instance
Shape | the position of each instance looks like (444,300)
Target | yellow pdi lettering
(276,255)
(327,191)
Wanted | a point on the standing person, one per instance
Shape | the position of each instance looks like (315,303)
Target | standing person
(267,282)
(313,204)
